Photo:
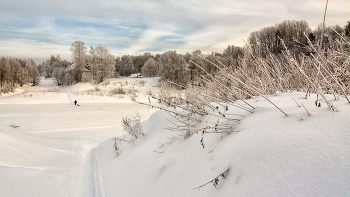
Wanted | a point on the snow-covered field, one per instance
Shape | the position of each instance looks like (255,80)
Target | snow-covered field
(64,150)
(50,152)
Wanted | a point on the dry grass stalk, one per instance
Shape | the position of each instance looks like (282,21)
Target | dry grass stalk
(297,116)
(215,181)
(305,109)
(296,102)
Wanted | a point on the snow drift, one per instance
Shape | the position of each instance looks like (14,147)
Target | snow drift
(271,155)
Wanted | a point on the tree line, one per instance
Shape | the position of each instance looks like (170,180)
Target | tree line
(95,64)
(15,71)
(295,35)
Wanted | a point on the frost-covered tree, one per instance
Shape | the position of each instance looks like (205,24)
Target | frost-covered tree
(78,50)
(150,69)
(268,38)
(50,64)
(68,79)
(117,66)
(58,74)
(17,74)
(48,68)
(32,72)
(55,67)
(128,67)
(172,67)
(233,51)
(101,62)
(139,61)
(4,71)
(105,62)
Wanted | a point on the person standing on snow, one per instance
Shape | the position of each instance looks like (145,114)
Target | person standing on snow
(75,102)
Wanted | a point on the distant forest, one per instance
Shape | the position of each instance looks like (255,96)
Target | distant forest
(95,64)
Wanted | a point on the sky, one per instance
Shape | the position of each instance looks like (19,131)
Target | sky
(38,29)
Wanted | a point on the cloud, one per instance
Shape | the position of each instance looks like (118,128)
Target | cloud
(135,26)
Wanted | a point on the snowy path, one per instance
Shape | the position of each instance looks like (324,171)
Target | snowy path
(68,98)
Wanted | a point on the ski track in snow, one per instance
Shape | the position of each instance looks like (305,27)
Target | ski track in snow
(98,180)
(84,181)
(69,99)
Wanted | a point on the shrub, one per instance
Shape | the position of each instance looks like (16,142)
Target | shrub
(106,82)
(142,83)
(132,126)
(118,90)
(97,89)
(6,88)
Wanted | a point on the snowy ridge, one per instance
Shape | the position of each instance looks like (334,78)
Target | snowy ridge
(271,155)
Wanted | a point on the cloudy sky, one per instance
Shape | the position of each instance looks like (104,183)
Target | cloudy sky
(40,28)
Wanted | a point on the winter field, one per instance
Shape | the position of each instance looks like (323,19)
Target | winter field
(50,152)
(50,147)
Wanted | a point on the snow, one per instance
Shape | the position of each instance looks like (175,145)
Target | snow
(64,150)
(271,155)
(50,153)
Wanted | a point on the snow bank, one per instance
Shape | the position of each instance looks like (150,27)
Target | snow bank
(271,155)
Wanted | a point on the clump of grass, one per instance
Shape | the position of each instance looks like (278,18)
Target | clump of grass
(97,89)
(53,89)
(132,126)
(142,83)
(25,91)
(132,129)
(30,95)
(133,96)
(132,90)
(90,91)
(5,89)
(14,126)
(105,83)
(117,91)
(149,92)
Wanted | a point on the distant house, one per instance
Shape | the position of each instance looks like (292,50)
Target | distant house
(136,75)
(85,69)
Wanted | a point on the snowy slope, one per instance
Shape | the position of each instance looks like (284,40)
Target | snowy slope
(271,155)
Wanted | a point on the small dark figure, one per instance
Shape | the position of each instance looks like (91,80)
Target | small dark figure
(75,102)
